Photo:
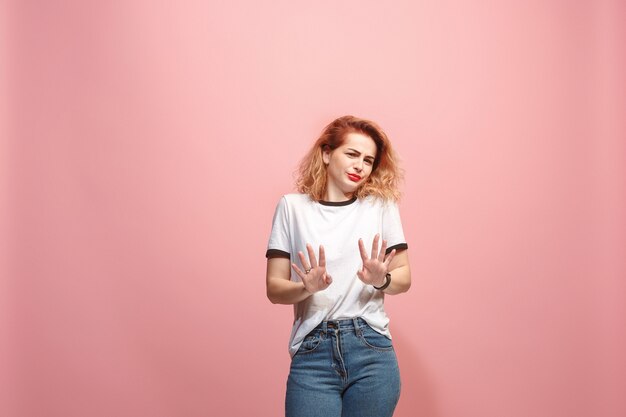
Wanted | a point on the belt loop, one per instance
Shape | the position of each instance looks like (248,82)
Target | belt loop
(357,328)
(325,326)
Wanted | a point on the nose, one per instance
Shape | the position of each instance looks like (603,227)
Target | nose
(358,165)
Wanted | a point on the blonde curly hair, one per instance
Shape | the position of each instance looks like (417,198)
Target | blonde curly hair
(385,177)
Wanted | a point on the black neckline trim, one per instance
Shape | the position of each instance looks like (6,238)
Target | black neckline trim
(337,203)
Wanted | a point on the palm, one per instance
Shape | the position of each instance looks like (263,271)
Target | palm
(372,270)
(375,267)
(314,277)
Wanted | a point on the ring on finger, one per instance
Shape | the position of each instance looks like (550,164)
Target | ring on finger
(306,271)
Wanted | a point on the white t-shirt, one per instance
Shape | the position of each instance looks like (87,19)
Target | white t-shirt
(299,220)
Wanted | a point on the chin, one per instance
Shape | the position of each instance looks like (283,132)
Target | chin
(351,190)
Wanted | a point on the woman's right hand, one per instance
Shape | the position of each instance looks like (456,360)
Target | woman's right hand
(314,277)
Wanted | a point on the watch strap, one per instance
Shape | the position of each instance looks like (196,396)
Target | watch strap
(386,284)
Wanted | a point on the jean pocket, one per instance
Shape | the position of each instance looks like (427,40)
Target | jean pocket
(374,340)
(311,342)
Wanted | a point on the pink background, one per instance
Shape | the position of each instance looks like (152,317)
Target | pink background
(144,148)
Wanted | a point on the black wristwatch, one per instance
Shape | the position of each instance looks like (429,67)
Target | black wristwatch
(386,284)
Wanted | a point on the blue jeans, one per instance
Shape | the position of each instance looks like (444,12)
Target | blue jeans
(343,368)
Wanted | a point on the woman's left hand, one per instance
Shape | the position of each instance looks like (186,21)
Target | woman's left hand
(375,267)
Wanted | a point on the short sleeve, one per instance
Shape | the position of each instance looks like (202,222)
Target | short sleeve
(279,242)
(392,228)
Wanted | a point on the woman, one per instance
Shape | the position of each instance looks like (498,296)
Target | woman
(343,362)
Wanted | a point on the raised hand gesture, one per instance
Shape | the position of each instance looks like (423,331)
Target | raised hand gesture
(376,266)
(314,277)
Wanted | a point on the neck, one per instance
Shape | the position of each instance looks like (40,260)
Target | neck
(334,196)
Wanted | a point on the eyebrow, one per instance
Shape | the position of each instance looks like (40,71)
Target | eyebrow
(354,150)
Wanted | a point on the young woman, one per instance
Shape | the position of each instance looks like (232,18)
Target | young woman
(343,363)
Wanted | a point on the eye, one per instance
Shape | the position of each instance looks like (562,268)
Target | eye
(369,162)
(352,155)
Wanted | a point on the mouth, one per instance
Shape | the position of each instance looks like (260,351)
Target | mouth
(354,177)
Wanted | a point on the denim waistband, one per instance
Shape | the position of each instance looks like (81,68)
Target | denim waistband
(343,324)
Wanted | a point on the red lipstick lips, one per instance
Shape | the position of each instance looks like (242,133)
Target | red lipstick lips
(354,177)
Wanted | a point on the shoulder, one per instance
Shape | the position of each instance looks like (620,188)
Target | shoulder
(292,203)
(378,203)
(296,199)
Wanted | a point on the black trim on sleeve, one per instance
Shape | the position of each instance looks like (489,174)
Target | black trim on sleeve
(277,253)
(398,248)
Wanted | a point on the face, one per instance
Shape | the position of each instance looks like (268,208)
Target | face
(349,166)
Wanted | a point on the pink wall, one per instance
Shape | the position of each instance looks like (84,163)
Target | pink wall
(147,146)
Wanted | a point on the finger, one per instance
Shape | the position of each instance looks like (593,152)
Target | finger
(383,249)
(375,247)
(303,261)
(359,273)
(322,256)
(312,258)
(328,279)
(362,250)
(298,271)
(390,257)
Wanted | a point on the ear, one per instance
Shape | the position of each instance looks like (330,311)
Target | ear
(326,154)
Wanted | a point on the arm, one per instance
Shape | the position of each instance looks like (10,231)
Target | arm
(314,278)
(280,290)
(400,274)
(378,264)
